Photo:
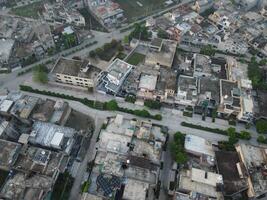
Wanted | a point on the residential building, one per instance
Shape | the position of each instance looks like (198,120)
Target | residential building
(114,77)
(187,91)
(254,160)
(161,52)
(75,72)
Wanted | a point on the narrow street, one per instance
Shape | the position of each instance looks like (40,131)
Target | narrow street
(75,191)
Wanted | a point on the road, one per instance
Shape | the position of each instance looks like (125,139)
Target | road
(75,190)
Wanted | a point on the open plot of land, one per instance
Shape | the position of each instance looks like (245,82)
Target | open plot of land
(30,10)
(136,58)
(80,121)
(134,9)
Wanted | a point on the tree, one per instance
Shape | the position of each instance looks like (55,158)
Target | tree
(263,62)
(261,126)
(130,98)
(208,50)
(140,32)
(152,104)
(111,105)
(245,135)
(261,139)
(40,74)
(177,148)
(92,54)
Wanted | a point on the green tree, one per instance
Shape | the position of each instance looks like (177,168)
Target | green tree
(40,74)
(261,139)
(245,135)
(140,31)
(177,148)
(111,105)
(208,50)
(152,104)
(261,126)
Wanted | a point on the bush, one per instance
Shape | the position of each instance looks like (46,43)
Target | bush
(261,126)
(152,104)
(262,139)
(245,135)
(187,114)
(130,98)
(111,105)
(232,122)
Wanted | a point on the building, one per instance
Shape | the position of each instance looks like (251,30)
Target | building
(161,52)
(52,136)
(9,154)
(5,51)
(114,77)
(127,148)
(43,33)
(5,106)
(147,86)
(229,98)
(200,148)
(254,160)
(75,72)
(187,91)
(107,12)
(203,184)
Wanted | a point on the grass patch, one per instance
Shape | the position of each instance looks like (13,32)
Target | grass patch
(134,11)
(31,10)
(136,58)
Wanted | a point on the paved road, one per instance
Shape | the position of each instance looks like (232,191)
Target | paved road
(75,190)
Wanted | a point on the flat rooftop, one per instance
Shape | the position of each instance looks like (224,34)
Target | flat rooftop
(22,186)
(6,49)
(41,161)
(163,57)
(77,68)
(135,190)
(227,88)
(210,88)
(148,82)
(5,105)
(118,68)
(199,145)
(194,181)
(254,159)
(8,154)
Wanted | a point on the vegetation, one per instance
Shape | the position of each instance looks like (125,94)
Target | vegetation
(177,148)
(111,105)
(152,104)
(232,140)
(107,51)
(232,122)
(31,10)
(140,32)
(187,114)
(163,34)
(208,50)
(256,74)
(136,58)
(130,98)
(62,187)
(261,126)
(40,74)
(262,139)
(242,135)
(85,186)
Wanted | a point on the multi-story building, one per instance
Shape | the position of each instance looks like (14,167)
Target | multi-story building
(75,72)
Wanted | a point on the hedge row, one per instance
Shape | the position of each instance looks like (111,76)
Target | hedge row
(242,135)
(94,104)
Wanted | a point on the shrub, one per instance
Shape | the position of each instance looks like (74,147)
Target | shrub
(245,135)
(262,139)
(130,98)
(187,114)
(111,105)
(152,104)
(177,148)
(261,126)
